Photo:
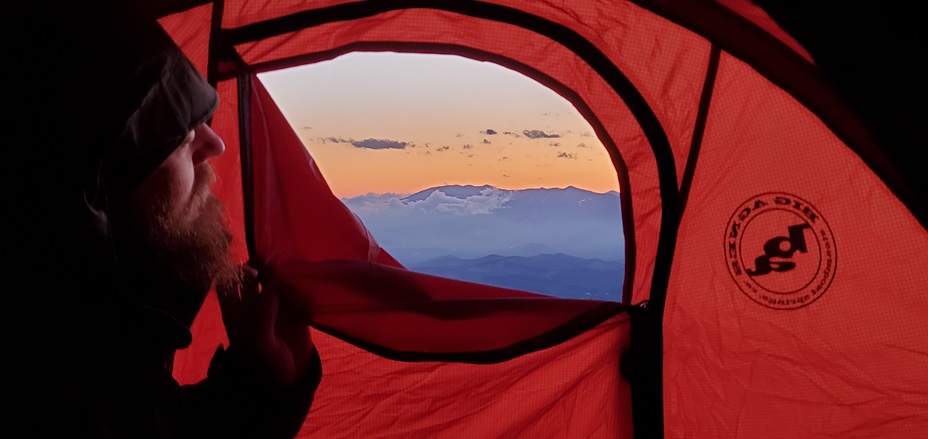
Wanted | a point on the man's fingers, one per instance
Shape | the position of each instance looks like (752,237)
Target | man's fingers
(249,272)
(227,290)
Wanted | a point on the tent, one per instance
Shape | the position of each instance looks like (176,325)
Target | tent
(775,279)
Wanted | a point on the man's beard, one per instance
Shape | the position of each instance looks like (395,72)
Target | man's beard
(195,248)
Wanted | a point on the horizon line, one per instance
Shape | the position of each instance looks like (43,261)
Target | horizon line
(404,194)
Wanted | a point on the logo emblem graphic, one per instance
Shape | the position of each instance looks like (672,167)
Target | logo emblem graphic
(780,250)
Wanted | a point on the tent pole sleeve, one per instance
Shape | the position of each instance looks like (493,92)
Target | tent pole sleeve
(248,192)
(700,126)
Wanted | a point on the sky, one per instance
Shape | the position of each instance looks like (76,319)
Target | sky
(399,123)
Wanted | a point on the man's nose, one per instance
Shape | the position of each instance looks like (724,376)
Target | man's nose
(208,144)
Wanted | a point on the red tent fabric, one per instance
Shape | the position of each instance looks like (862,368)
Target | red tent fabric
(774,281)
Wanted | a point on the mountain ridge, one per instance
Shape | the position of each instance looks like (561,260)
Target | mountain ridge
(472,221)
(558,274)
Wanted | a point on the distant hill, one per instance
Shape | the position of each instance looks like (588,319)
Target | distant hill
(475,221)
(553,274)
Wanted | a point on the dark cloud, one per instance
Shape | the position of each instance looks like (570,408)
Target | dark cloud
(582,145)
(333,140)
(307,127)
(443,148)
(539,134)
(486,142)
(555,144)
(489,132)
(468,146)
(512,134)
(379,144)
(566,155)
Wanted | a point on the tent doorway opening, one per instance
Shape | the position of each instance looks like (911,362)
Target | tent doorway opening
(463,169)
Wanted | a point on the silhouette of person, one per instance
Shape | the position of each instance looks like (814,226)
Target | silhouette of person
(119,239)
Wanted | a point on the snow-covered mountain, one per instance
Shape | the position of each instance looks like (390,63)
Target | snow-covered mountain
(475,221)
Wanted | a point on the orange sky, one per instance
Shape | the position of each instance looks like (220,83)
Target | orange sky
(400,123)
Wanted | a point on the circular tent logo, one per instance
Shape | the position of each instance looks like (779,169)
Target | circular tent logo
(780,251)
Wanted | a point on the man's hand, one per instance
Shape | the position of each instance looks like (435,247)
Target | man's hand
(258,327)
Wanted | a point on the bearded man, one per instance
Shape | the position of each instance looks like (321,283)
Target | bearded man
(120,238)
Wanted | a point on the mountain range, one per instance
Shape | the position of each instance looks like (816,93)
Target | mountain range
(567,242)
(552,274)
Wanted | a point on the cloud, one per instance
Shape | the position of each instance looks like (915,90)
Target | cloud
(582,145)
(539,134)
(486,142)
(566,155)
(555,144)
(468,146)
(443,148)
(333,140)
(512,134)
(375,203)
(379,144)
(485,202)
(489,132)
